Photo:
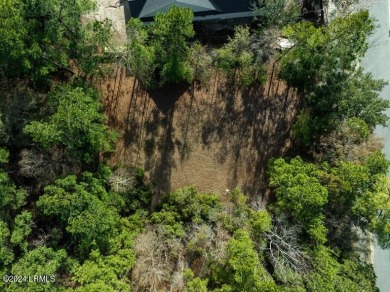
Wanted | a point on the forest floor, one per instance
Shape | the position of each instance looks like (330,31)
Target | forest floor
(215,137)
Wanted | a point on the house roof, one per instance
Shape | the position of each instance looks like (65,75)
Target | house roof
(151,7)
(203,9)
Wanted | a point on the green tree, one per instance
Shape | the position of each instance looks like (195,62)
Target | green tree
(15,226)
(275,13)
(330,275)
(22,229)
(105,273)
(93,54)
(238,60)
(46,262)
(194,284)
(12,33)
(322,64)
(358,197)
(111,271)
(77,125)
(41,37)
(244,271)
(300,193)
(12,198)
(186,206)
(83,209)
(139,57)
(161,53)
(200,62)
(6,251)
(170,33)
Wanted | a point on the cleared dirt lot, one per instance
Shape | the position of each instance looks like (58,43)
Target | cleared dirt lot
(215,137)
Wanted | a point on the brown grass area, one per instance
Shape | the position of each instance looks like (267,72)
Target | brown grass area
(215,137)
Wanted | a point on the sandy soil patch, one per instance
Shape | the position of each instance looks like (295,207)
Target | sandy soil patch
(116,11)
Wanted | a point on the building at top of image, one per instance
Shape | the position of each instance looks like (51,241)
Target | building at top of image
(204,10)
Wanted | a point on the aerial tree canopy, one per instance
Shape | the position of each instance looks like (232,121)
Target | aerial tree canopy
(160,52)
(323,65)
(76,124)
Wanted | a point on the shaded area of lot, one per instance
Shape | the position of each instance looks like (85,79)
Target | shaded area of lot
(215,137)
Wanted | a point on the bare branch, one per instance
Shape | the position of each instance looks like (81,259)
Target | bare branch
(284,251)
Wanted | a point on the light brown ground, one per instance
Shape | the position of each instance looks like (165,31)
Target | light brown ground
(116,11)
(216,139)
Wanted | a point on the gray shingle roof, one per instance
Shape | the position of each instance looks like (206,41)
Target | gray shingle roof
(152,6)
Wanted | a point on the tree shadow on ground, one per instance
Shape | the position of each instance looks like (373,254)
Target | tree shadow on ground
(160,168)
(238,129)
(250,127)
(145,120)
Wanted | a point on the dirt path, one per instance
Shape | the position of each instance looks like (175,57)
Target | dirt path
(215,138)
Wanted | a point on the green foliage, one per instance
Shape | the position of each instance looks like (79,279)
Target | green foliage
(40,37)
(377,163)
(349,184)
(11,197)
(102,238)
(111,272)
(140,58)
(187,205)
(300,193)
(200,62)
(239,214)
(6,252)
(83,209)
(243,271)
(105,272)
(22,229)
(3,134)
(159,54)
(322,64)
(13,31)
(302,129)
(238,60)
(330,275)
(276,13)
(359,130)
(371,209)
(300,65)
(170,32)
(77,125)
(14,226)
(382,229)
(91,215)
(261,222)
(325,52)
(350,192)
(92,54)
(42,261)
(360,97)
(194,284)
